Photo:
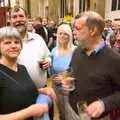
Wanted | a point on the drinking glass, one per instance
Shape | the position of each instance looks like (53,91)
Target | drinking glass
(82,110)
(69,82)
(42,62)
(65,78)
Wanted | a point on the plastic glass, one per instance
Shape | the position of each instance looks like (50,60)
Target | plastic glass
(82,111)
(63,80)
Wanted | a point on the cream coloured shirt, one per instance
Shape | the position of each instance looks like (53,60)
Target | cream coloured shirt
(33,50)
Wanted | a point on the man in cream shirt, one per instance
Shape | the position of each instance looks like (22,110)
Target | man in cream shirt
(34,48)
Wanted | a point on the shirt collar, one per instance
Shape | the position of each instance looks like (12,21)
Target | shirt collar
(100,46)
(96,50)
(30,37)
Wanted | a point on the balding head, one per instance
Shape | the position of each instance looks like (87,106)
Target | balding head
(93,20)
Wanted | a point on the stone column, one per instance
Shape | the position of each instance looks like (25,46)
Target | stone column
(53,10)
(98,6)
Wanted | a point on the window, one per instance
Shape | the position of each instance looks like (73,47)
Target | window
(27,6)
(62,8)
(2,2)
(88,4)
(119,5)
(81,6)
(115,5)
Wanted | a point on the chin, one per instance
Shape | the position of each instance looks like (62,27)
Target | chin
(13,56)
(21,29)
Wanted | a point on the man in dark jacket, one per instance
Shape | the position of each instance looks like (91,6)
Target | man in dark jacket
(39,29)
(96,68)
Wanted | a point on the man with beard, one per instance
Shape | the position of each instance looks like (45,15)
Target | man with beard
(34,48)
(96,69)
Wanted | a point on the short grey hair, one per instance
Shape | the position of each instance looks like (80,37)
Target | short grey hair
(9,33)
(93,19)
(17,8)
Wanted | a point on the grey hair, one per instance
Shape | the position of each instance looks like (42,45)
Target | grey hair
(9,33)
(93,19)
(17,8)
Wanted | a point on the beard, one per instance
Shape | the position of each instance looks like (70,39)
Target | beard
(21,27)
(84,44)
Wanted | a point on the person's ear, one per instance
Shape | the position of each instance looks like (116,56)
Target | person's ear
(93,31)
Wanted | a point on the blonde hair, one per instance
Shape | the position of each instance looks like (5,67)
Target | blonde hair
(66,28)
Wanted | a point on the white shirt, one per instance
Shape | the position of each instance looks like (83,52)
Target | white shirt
(33,50)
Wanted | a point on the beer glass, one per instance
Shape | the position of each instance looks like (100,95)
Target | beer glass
(64,79)
(82,110)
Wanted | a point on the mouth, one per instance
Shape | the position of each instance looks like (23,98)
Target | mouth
(19,25)
(14,51)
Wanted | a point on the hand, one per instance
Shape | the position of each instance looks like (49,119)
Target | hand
(48,91)
(68,84)
(38,110)
(95,109)
(45,65)
(57,78)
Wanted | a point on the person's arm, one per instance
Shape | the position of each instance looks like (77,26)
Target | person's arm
(47,53)
(33,110)
(50,42)
(112,101)
(46,56)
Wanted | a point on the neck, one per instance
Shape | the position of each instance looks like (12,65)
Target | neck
(25,37)
(10,63)
(63,51)
(94,44)
(64,46)
(22,32)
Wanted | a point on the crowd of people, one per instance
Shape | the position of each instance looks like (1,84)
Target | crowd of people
(33,51)
(46,29)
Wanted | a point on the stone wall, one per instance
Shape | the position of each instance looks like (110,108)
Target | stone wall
(98,6)
(53,10)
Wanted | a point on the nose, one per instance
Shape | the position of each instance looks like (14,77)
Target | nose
(18,18)
(13,44)
(74,31)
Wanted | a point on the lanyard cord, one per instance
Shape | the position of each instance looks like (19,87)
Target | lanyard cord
(11,78)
